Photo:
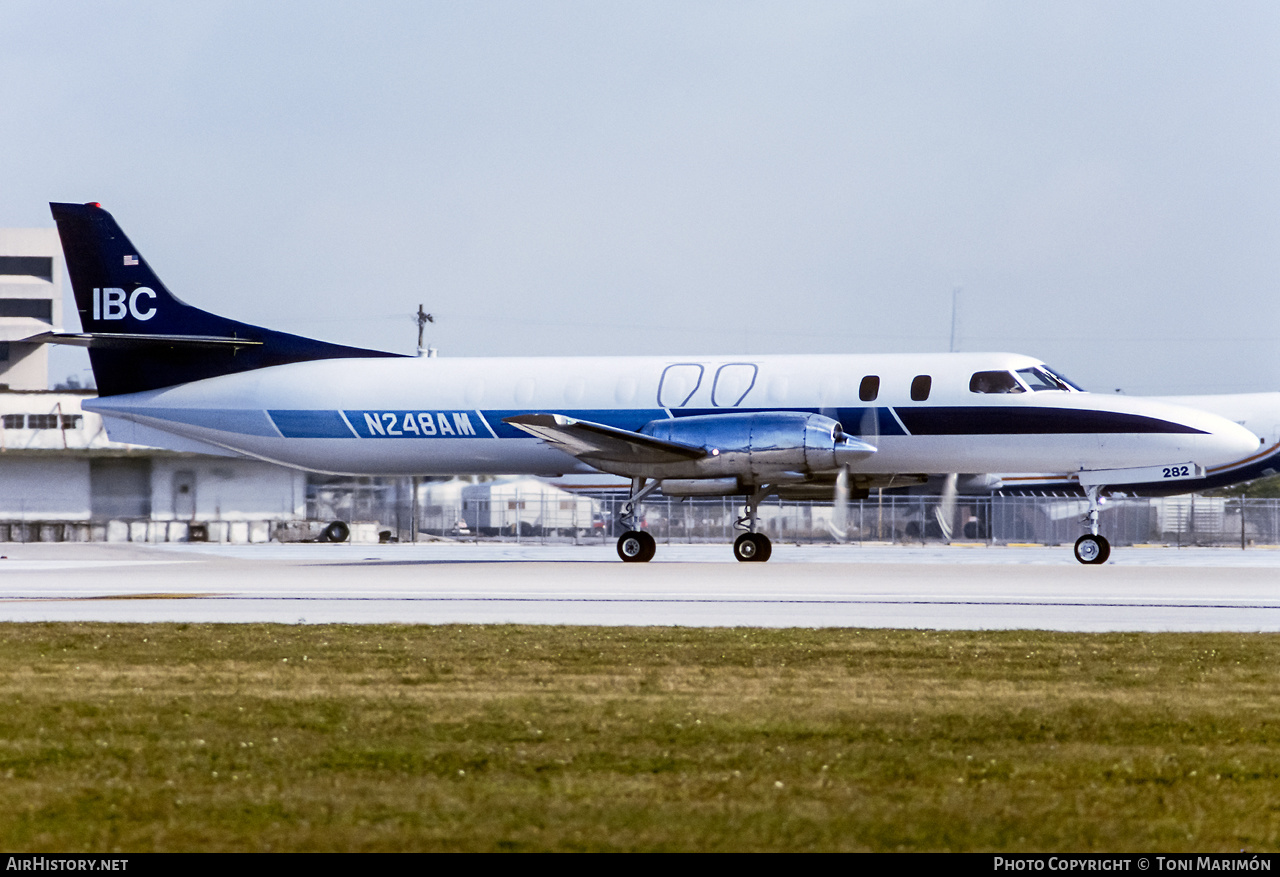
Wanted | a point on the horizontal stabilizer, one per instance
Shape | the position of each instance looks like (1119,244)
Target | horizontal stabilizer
(594,441)
(124,341)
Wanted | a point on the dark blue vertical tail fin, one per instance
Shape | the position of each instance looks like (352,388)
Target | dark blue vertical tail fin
(142,337)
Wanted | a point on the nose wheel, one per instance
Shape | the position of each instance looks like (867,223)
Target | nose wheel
(1092,549)
(752,548)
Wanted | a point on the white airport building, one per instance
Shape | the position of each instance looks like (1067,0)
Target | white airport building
(61,479)
(30,303)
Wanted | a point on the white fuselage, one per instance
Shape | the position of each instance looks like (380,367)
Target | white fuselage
(1257,412)
(442,416)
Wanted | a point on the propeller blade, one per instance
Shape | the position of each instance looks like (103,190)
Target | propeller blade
(869,426)
(839,526)
(945,513)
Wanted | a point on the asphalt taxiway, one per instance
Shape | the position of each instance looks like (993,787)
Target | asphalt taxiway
(976,588)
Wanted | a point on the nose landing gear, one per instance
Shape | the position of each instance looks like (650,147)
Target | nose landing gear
(1092,548)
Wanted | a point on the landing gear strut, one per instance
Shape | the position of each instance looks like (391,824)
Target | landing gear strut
(635,545)
(1092,548)
(753,547)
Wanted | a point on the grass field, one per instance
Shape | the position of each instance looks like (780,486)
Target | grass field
(121,737)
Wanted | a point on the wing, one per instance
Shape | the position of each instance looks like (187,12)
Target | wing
(592,442)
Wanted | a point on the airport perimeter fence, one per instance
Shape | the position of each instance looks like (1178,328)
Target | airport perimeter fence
(386,512)
(1176,521)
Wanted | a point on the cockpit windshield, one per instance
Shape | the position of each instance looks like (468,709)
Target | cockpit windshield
(1041,378)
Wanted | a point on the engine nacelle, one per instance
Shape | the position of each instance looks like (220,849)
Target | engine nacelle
(761,447)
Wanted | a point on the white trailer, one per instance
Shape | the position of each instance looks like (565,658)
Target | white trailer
(525,506)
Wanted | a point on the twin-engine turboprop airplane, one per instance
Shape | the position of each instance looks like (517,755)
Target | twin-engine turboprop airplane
(173,375)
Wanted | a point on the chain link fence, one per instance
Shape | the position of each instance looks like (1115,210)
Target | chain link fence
(395,511)
(1182,520)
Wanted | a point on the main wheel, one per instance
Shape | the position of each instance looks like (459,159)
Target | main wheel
(765,548)
(636,546)
(1092,549)
(752,548)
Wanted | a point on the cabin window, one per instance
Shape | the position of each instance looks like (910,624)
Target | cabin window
(994,382)
(869,389)
(920,386)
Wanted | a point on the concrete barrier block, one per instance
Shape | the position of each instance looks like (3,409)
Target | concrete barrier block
(365,532)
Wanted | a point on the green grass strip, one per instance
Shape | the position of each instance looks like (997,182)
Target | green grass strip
(138,737)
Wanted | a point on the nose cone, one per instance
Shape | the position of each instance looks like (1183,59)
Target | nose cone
(1233,442)
(1218,441)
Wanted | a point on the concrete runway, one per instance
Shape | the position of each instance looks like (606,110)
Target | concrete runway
(968,588)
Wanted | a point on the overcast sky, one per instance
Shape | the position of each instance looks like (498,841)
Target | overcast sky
(1102,180)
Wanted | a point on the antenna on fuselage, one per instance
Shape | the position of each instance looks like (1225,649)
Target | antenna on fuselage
(423,319)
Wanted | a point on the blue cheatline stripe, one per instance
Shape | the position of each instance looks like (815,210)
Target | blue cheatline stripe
(238,420)
(311,424)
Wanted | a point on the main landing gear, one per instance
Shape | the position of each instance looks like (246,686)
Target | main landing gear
(637,546)
(752,547)
(1092,548)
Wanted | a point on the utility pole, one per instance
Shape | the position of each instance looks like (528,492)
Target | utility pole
(423,319)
